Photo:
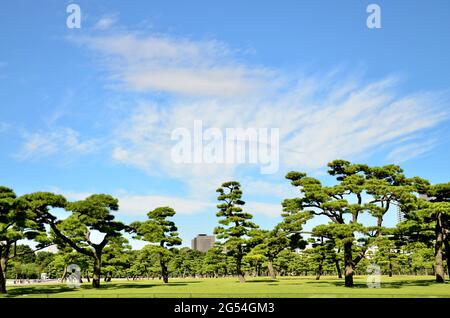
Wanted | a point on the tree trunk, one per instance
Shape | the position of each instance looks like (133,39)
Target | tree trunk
(2,283)
(379,223)
(348,263)
(239,270)
(390,266)
(64,275)
(239,264)
(439,267)
(4,255)
(447,255)
(164,271)
(319,270)
(97,271)
(338,268)
(271,270)
(108,276)
(2,278)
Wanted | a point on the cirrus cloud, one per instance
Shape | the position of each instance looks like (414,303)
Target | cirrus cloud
(320,116)
(176,66)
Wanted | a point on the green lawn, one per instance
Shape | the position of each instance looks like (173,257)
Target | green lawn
(400,286)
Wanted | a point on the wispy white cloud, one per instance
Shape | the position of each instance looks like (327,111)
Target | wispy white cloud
(136,205)
(321,117)
(314,128)
(367,118)
(403,153)
(106,22)
(268,188)
(178,66)
(61,141)
(4,126)
(139,205)
(265,209)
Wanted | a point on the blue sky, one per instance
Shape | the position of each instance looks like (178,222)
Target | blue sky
(90,110)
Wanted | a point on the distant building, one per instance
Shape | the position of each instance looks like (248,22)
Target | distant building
(203,242)
(52,249)
(426,197)
(400,215)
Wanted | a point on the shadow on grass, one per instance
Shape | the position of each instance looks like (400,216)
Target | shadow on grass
(269,280)
(396,284)
(36,290)
(56,289)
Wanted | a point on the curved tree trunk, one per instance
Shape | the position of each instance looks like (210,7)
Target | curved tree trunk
(439,267)
(338,268)
(447,254)
(4,254)
(348,262)
(97,271)
(2,279)
(64,275)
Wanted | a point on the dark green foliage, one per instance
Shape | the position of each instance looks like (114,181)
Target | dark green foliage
(157,229)
(344,202)
(17,222)
(91,214)
(419,245)
(235,223)
(428,219)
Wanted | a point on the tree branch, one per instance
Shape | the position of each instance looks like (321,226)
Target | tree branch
(30,252)
(70,242)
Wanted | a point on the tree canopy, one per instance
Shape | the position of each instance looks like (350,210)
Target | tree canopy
(349,232)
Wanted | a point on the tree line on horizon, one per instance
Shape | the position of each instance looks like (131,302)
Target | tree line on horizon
(343,246)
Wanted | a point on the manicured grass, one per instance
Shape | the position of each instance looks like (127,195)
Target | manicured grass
(399,286)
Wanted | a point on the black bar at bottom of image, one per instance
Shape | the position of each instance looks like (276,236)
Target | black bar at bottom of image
(207,307)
